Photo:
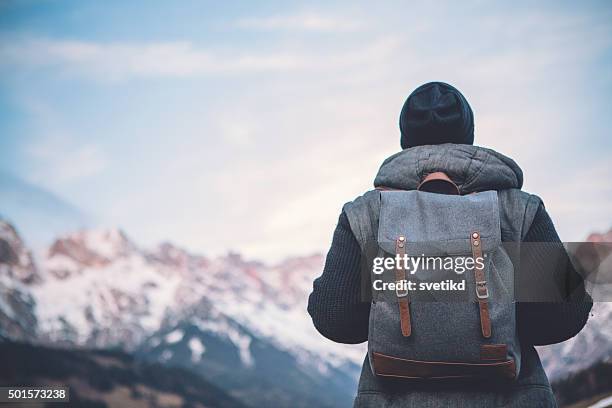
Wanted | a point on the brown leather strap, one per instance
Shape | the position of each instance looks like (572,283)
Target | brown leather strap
(390,366)
(482,292)
(404,306)
(494,352)
(438,182)
(402,295)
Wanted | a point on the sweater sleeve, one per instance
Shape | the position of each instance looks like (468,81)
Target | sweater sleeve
(335,303)
(560,308)
(339,314)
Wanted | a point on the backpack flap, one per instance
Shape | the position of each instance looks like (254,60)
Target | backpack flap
(438,224)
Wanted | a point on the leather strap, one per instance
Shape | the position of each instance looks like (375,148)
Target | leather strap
(482,292)
(438,182)
(390,366)
(494,352)
(402,295)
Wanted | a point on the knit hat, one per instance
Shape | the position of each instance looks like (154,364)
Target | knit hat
(436,113)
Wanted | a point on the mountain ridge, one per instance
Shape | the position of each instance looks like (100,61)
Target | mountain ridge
(99,289)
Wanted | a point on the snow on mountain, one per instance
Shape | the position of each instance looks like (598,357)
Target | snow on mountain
(17,261)
(594,342)
(215,316)
(591,345)
(17,270)
(246,365)
(100,289)
(97,288)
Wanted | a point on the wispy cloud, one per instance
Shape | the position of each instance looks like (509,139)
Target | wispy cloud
(119,61)
(125,60)
(55,153)
(63,160)
(305,21)
(267,139)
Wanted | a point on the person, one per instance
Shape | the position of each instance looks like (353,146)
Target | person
(437,134)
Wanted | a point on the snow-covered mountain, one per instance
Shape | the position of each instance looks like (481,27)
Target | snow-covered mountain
(107,291)
(17,271)
(594,342)
(98,289)
(239,323)
(591,345)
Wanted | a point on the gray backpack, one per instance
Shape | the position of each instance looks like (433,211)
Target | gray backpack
(428,332)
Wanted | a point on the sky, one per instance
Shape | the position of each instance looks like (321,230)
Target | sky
(246,126)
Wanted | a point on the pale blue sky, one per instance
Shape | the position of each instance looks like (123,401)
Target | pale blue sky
(247,126)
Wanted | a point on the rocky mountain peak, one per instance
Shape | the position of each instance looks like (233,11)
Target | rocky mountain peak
(16,260)
(90,248)
(600,237)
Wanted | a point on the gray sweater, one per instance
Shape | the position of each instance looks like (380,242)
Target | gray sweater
(339,314)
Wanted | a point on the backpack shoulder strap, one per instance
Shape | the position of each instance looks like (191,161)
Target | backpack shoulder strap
(517,209)
(363,214)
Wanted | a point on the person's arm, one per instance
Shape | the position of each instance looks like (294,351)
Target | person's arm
(547,269)
(335,304)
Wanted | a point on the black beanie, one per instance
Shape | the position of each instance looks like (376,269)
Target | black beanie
(436,113)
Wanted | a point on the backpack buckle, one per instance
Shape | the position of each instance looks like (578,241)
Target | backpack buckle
(400,293)
(479,286)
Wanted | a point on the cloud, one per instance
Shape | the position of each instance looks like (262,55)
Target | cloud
(56,154)
(62,159)
(293,129)
(123,61)
(300,22)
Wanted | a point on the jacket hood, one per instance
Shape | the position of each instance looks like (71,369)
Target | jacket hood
(472,168)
